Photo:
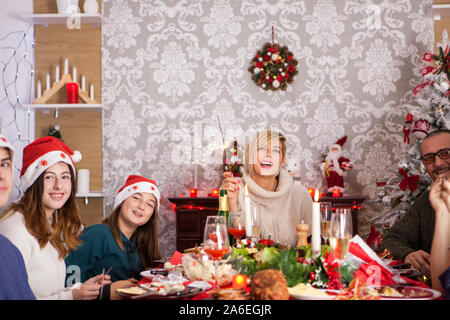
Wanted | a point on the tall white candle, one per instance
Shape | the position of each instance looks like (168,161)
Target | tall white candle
(83,181)
(66,66)
(57,74)
(74,74)
(91,92)
(248,213)
(83,83)
(315,230)
(39,89)
(47,82)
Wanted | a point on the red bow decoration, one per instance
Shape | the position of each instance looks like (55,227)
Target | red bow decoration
(410,181)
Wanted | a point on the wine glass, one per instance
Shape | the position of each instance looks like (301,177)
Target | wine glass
(215,238)
(236,226)
(325,219)
(340,235)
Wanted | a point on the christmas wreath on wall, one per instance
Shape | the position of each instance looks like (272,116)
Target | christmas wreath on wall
(273,67)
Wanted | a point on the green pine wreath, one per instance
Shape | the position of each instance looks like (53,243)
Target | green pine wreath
(273,67)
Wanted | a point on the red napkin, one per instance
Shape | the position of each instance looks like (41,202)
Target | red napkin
(176,258)
(373,274)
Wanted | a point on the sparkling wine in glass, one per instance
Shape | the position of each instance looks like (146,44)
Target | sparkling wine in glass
(325,219)
(236,226)
(340,235)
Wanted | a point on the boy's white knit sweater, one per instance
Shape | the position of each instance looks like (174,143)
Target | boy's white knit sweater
(46,271)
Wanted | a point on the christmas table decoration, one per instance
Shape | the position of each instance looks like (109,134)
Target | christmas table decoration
(273,67)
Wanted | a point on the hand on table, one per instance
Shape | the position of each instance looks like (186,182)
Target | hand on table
(420,260)
(120,284)
(90,289)
(231,184)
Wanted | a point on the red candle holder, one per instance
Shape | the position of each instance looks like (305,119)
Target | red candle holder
(72,92)
(193,192)
(335,193)
(239,281)
(215,193)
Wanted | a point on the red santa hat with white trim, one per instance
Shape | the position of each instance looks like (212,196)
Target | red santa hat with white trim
(41,154)
(339,144)
(5,144)
(137,184)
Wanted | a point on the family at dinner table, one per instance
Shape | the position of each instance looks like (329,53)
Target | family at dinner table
(46,251)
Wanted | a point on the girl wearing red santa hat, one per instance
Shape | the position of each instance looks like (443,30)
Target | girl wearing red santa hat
(45,223)
(126,241)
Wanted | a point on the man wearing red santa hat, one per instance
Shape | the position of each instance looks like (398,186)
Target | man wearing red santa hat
(333,167)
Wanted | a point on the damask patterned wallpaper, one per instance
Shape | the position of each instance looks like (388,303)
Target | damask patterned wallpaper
(170,68)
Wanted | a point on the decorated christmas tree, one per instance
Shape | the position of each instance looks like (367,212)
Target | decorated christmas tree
(431,113)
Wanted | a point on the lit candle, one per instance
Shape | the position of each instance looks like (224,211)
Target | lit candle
(66,66)
(47,82)
(248,214)
(74,74)
(91,92)
(83,83)
(215,193)
(336,193)
(193,192)
(39,89)
(57,74)
(315,241)
(239,281)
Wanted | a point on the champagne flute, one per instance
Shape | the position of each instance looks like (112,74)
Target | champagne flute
(236,226)
(256,223)
(325,219)
(340,235)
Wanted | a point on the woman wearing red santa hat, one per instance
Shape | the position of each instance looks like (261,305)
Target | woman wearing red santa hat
(126,241)
(45,223)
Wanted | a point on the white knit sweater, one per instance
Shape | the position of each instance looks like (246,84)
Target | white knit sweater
(281,210)
(46,271)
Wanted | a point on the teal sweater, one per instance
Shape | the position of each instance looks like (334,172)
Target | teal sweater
(414,231)
(100,251)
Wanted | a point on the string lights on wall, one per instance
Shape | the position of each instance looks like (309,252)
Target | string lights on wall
(16,90)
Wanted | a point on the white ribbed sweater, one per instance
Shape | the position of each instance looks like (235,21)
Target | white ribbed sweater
(281,210)
(46,271)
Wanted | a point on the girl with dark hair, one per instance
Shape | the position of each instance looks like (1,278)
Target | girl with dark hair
(45,223)
(127,240)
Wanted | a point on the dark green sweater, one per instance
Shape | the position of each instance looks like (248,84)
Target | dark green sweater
(414,231)
(99,250)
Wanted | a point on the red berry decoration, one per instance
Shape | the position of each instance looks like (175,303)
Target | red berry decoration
(273,67)
(312,275)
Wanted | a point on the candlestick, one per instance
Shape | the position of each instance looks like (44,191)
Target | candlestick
(47,82)
(57,74)
(74,74)
(248,214)
(83,83)
(315,241)
(66,66)
(91,92)
(39,89)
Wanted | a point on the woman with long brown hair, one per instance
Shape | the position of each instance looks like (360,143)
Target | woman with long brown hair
(127,240)
(45,223)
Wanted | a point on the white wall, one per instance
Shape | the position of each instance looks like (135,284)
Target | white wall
(16,124)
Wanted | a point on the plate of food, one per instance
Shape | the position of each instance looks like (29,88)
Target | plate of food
(303,291)
(402,292)
(158,291)
(151,273)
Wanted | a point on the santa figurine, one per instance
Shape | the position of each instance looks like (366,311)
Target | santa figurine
(334,166)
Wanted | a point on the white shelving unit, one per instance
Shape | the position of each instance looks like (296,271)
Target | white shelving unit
(86,196)
(46,19)
(441,11)
(63,106)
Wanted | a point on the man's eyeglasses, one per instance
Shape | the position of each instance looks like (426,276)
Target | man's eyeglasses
(428,158)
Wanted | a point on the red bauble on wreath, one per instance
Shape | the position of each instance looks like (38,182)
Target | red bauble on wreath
(273,67)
